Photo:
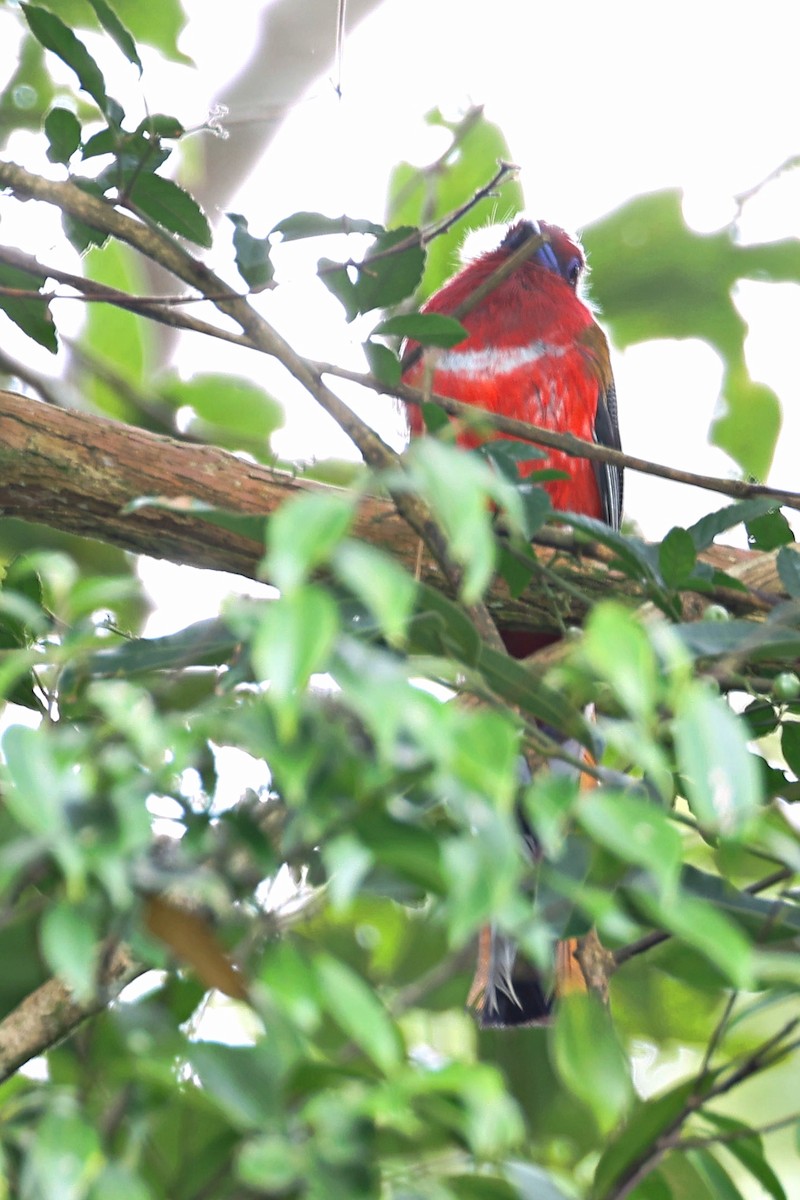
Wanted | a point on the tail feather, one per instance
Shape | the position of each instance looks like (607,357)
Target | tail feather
(508,991)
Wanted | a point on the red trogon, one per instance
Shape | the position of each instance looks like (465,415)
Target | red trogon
(533,352)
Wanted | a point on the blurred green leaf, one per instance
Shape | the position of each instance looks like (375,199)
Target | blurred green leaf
(63,130)
(303,534)
(295,639)
(654,277)
(71,946)
(635,830)
(383,363)
(387,590)
(590,1060)
(65,1156)
(357,1010)
(430,194)
(231,411)
(719,772)
(617,648)
(789,570)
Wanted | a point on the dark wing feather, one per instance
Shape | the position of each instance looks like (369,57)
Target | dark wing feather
(609,478)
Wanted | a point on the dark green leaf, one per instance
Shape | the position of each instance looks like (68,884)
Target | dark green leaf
(117,31)
(31,315)
(789,569)
(388,273)
(676,557)
(311,224)
(790,745)
(429,329)
(241,1080)
(634,830)
(706,529)
(169,205)
(252,255)
(81,235)
(769,532)
(63,131)
(54,35)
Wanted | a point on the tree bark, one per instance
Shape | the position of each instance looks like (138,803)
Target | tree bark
(79,473)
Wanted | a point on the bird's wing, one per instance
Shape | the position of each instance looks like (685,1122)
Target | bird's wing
(609,477)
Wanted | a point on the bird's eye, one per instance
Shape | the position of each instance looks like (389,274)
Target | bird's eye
(573,271)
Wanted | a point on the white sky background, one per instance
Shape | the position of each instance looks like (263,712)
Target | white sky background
(599,102)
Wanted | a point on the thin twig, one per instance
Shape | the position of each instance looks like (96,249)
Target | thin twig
(567,443)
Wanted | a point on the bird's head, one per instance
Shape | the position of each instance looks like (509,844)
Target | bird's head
(560,254)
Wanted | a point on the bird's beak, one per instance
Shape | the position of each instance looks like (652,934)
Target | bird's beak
(546,258)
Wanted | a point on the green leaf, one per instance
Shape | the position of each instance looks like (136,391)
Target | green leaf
(387,590)
(706,929)
(789,570)
(790,745)
(169,205)
(590,1060)
(31,315)
(383,363)
(231,411)
(358,1012)
(456,486)
(706,529)
(65,1154)
(655,277)
(117,31)
(270,1163)
(749,1151)
(120,1182)
(751,639)
(303,534)
(719,772)
(63,131)
(421,195)
(617,648)
(719,1181)
(117,339)
(71,947)
(634,830)
(252,255)
(295,639)
(769,531)
(81,235)
(313,224)
(646,1124)
(388,273)
(532,1183)
(677,556)
(54,35)
(243,1080)
(429,329)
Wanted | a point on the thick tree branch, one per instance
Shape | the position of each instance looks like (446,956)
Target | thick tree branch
(78,473)
(51,1013)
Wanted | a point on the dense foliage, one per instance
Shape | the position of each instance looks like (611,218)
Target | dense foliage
(336,1058)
